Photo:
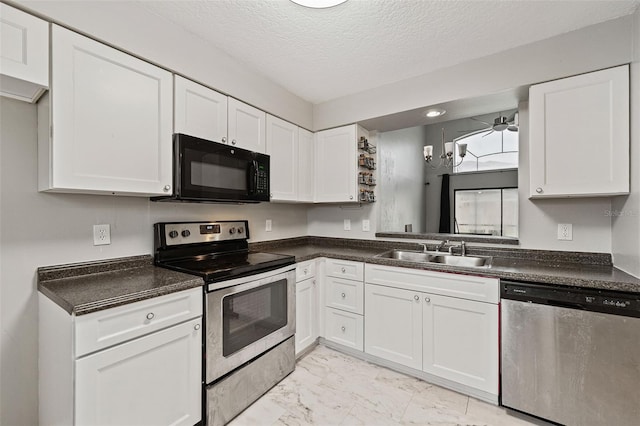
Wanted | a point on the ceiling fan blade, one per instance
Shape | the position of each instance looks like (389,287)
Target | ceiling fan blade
(474,131)
(484,122)
(484,136)
(512,128)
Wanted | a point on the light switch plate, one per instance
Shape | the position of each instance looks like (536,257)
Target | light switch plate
(347,225)
(267,225)
(565,231)
(366,226)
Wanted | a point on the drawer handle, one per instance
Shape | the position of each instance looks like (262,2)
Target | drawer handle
(343,328)
(539,190)
(426,299)
(343,295)
(150,315)
(344,270)
(416,297)
(196,327)
(313,282)
(306,271)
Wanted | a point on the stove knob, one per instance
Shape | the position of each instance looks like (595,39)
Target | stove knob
(241,230)
(186,233)
(232,231)
(173,234)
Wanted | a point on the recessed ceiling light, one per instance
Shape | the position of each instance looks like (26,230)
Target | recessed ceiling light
(318,4)
(435,112)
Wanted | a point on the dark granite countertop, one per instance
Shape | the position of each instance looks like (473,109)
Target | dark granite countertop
(83,288)
(577,269)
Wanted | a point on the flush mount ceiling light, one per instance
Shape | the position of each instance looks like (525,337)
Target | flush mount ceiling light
(318,4)
(435,112)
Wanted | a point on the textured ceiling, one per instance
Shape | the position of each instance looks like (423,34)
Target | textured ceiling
(321,55)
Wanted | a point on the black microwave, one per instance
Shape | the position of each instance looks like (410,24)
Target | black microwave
(206,171)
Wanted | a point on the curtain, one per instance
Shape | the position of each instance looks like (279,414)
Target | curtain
(445,206)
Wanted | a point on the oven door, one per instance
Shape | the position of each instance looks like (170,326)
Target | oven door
(247,318)
(211,171)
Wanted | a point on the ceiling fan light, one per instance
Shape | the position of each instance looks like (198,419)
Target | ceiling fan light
(318,4)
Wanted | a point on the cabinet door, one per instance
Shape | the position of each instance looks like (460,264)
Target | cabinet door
(461,341)
(579,135)
(111,118)
(393,325)
(282,147)
(153,380)
(246,126)
(335,165)
(200,111)
(306,314)
(305,165)
(24,54)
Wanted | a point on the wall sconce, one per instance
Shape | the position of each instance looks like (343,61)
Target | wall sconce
(447,157)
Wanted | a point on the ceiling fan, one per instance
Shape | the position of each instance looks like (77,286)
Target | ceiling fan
(500,124)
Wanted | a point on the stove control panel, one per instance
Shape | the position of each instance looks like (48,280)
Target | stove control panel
(203,232)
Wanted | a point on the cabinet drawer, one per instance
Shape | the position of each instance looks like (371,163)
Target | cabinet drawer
(345,294)
(345,269)
(112,326)
(305,270)
(344,328)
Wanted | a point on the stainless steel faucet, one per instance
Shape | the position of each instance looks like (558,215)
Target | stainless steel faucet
(463,248)
(424,247)
(442,243)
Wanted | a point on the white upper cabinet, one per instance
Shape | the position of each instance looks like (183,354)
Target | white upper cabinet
(200,111)
(305,165)
(336,165)
(24,55)
(282,147)
(111,121)
(246,126)
(579,135)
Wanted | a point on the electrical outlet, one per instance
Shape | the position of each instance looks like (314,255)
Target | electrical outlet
(565,231)
(101,235)
(347,225)
(267,225)
(366,226)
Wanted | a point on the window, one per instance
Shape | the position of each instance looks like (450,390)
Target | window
(487,212)
(488,150)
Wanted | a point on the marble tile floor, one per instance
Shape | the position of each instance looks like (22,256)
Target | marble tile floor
(329,388)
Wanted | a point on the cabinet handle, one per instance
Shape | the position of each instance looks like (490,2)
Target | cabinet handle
(233,142)
(313,282)
(416,297)
(150,316)
(343,295)
(224,139)
(351,197)
(306,271)
(426,299)
(539,190)
(196,327)
(167,188)
(343,328)
(344,270)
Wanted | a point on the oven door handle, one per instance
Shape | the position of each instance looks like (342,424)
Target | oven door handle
(251,279)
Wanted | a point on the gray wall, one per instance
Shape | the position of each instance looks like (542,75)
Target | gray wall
(401,183)
(39,229)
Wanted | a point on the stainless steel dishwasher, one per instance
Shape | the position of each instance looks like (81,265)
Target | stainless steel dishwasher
(571,355)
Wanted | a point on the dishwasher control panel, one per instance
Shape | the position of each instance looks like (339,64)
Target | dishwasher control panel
(617,303)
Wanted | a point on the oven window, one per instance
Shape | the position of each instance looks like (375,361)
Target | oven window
(253,314)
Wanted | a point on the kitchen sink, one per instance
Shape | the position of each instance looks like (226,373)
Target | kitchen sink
(438,257)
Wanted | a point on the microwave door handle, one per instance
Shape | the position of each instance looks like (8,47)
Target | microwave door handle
(253,181)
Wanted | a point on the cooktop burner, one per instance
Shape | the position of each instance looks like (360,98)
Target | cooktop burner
(215,251)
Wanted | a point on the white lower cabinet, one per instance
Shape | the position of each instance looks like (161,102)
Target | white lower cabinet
(393,325)
(448,337)
(344,328)
(150,375)
(154,380)
(306,314)
(460,341)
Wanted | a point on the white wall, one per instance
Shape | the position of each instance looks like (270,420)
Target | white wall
(40,229)
(128,26)
(626,210)
(598,46)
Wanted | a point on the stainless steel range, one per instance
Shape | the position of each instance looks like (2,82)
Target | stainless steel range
(249,310)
